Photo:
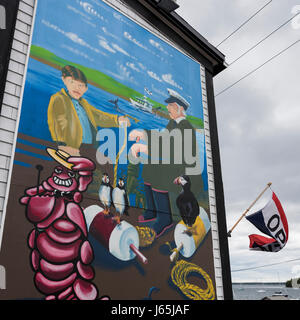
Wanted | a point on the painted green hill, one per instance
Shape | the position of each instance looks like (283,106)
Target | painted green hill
(103,81)
(94,77)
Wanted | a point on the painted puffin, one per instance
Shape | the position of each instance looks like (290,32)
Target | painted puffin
(187,203)
(120,199)
(105,193)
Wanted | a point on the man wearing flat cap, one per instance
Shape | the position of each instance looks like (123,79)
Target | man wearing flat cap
(158,178)
(177,107)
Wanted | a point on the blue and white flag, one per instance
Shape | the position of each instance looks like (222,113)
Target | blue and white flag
(270,220)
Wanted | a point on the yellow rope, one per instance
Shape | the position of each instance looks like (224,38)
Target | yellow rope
(118,155)
(181,270)
(179,275)
(146,236)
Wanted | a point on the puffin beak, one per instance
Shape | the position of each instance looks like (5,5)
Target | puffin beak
(176,181)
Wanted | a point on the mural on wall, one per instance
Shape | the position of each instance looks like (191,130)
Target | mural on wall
(112,117)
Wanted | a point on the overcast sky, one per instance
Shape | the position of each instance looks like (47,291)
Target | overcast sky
(258,122)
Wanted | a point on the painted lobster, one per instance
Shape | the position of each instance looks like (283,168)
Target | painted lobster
(61,254)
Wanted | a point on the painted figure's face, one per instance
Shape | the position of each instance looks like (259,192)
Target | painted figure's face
(121,183)
(174,110)
(105,178)
(76,88)
(62,179)
(181,180)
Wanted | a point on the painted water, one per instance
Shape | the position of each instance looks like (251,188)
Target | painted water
(44,81)
(257,291)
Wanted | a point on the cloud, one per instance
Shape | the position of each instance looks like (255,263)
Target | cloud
(142,66)
(72,36)
(158,46)
(104,29)
(154,75)
(160,92)
(90,9)
(121,18)
(296,271)
(82,14)
(168,78)
(118,48)
(78,52)
(104,44)
(132,66)
(113,47)
(129,37)
(124,73)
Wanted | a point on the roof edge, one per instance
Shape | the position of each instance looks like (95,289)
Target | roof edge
(194,35)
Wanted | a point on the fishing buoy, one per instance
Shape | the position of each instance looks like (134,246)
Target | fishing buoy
(186,244)
(121,240)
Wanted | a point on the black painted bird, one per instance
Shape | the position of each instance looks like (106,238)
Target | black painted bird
(105,193)
(120,199)
(186,201)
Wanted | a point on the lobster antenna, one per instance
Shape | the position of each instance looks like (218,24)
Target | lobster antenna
(39,167)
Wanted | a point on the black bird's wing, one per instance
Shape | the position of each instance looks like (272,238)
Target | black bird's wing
(111,197)
(195,211)
(185,211)
(126,204)
(188,208)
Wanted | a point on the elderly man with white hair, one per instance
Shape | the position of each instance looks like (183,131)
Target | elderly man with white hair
(160,191)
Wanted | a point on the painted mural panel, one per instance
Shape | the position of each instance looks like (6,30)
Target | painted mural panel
(109,192)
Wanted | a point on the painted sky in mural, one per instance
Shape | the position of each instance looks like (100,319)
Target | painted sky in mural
(117,47)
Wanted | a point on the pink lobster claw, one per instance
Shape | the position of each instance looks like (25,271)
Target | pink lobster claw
(82,164)
(84,167)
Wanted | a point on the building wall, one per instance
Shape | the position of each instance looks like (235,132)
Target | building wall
(212,198)
(12,94)
(12,102)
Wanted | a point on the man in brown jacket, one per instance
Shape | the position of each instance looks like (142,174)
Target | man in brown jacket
(72,120)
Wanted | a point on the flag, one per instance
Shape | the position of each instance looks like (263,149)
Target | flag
(270,220)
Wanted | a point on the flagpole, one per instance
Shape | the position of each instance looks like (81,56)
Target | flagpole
(252,204)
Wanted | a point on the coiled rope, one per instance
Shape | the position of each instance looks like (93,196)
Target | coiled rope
(179,276)
(146,236)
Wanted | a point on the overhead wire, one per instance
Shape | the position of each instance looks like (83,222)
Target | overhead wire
(243,24)
(264,39)
(266,265)
(257,68)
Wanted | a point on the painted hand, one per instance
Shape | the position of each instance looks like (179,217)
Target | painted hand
(137,135)
(70,150)
(123,119)
(138,148)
